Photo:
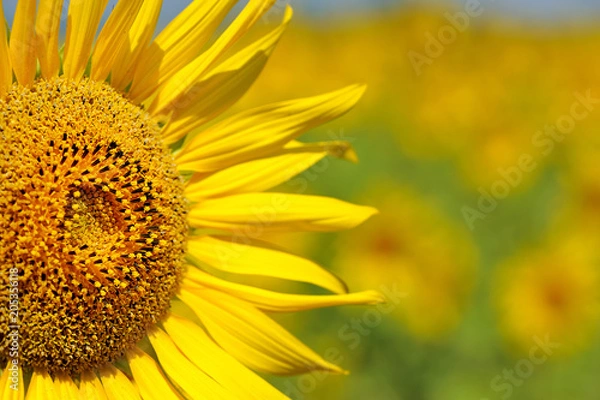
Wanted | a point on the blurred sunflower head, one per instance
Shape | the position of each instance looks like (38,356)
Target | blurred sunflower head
(121,196)
(551,293)
(580,182)
(420,251)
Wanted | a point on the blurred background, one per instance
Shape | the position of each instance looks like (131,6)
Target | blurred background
(479,142)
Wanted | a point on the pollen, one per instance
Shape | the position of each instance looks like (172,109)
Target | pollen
(92,215)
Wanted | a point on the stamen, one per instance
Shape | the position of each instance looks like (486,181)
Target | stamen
(92,214)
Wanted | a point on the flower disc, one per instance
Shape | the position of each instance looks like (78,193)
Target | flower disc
(92,216)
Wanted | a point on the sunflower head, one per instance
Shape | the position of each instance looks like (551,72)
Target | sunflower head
(93,218)
(120,195)
(550,293)
(417,248)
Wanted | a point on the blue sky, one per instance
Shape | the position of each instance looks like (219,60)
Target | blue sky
(324,9)
(527,9)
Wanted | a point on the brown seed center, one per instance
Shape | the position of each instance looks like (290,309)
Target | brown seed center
(92,216)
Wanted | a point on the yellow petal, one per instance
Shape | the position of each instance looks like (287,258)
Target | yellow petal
(222,367)
(188,378)
(335,148)
(253,176)
(41,387)
(226,83)
(47,29)
(266,173)
(258,213)
(138,38)
(250,336)
(22,42)
(83,20)
(111,38)
(179,43)
(117,385)
(6,74)
(262,131)
(219,91)
(90,387)
(277,302)
(65,387)
(227,254)
(151,382)
(12,387)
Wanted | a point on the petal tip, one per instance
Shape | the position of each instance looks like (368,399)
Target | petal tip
(369,212)
(289,13)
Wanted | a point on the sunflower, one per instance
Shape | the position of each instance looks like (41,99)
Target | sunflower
(421,252)
(551,294)
(130,210)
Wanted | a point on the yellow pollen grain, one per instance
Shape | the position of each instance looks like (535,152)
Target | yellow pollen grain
(98,259)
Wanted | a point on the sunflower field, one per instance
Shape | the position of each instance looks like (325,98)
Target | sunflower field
(480,147)
(259,199)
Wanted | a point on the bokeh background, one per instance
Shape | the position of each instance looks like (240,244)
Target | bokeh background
(479,141)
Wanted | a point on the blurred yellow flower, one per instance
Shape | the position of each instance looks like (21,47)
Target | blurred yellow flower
(413,247)
(581,183)
(552,292)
